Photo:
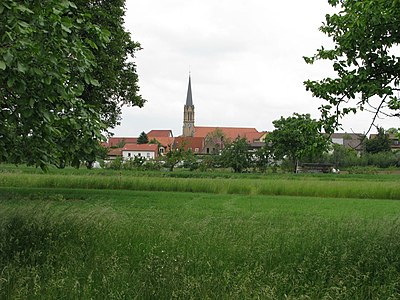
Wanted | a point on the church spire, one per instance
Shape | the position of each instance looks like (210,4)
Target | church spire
(189,100)
(188,113)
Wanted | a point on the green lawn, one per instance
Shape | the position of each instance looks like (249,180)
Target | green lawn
(80,243)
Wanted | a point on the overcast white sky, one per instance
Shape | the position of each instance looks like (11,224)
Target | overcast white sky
(245,57)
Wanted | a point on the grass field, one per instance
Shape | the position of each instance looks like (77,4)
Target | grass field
(102,235)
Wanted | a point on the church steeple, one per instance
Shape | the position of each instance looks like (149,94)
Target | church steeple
(189,100)
(188,112)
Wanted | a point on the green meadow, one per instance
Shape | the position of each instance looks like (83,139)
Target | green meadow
(78,234)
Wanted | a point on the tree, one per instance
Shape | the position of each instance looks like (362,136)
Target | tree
(261,158)
(380,143)
(296,138)
(143,139)
(176,155)
(392,130)
(115,71)
(236,155)
(49,61)
(365,58)
(341,156)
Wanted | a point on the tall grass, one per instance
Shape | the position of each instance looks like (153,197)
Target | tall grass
(116,244)
(308,186)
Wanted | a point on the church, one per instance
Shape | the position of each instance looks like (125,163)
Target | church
(209,140)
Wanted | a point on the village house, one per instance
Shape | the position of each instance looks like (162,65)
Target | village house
(349,140)
(163,138)
(393,139)
(148,151)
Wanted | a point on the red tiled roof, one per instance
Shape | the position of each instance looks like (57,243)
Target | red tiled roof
(230,132)
(115,152)
(159,133)
(140,147)
(164,141)
(113,141)
(190,143)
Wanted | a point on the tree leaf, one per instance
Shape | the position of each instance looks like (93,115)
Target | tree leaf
(21,67)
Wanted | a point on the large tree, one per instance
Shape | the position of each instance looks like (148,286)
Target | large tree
(54,100)
(236,155)
(114,70)
(365,57)
(296,138)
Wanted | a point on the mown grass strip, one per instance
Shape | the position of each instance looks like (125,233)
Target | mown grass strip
(308,187)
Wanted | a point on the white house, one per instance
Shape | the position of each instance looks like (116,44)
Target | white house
(148,151)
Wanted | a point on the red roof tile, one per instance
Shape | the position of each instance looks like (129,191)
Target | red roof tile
(159,133)
(230,132)
(115,152)
(140,147)
(190,143)
(164,141)
(113,141)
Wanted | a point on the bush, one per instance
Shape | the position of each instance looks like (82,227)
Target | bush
(116,164)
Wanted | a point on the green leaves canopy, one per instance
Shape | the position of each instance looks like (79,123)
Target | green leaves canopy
(115,70)
(295,138)
(236,155)
(379,143)
(365,57)
(52,106)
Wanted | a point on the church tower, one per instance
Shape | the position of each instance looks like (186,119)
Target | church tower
(188,113)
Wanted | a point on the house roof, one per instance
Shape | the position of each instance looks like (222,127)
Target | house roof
(140,147)
(351,140)
(115,152)
(113,141)
(229,132)
(391,136)
(348,136)
(159,133)
(253,136)
(190,142)
(164,141)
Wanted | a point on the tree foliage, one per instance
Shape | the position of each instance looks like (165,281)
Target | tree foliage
(365,57)
(296,138)
(236,155)
(262,159)
(341,156)
(177,155)
(114,70)
(50,67)
(380,143)
(143,139)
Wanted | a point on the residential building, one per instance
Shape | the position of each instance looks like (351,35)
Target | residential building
(393,138)
(349,140)
(148,151)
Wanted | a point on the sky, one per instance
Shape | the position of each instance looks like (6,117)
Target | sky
(245,58)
